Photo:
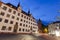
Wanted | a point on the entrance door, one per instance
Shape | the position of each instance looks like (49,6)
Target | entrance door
(15,27)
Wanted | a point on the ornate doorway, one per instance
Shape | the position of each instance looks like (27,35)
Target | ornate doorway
(15,27)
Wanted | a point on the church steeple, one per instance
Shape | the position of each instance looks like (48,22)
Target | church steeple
(18,5)
(29,11)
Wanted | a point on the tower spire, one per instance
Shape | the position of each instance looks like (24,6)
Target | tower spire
(28,11)
(18,4)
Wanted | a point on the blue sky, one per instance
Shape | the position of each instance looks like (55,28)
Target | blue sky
(46,10)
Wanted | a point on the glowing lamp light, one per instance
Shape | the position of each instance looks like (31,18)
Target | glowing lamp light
(45,30)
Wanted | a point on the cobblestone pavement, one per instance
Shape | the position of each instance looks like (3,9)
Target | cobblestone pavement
(58,38)
(27,37)
(20,37)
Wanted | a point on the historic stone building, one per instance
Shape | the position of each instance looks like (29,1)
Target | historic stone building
(39,26)
(54,27)
(14,20)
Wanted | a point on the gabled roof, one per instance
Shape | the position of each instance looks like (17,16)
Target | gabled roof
(56,22)
(9,4)
(28,14)
(24,12)
(14,7)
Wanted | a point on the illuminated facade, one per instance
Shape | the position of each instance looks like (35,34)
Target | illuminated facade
(53,27)
(15,20)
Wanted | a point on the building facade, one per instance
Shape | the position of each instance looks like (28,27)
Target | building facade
(54,27)
(15,20)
